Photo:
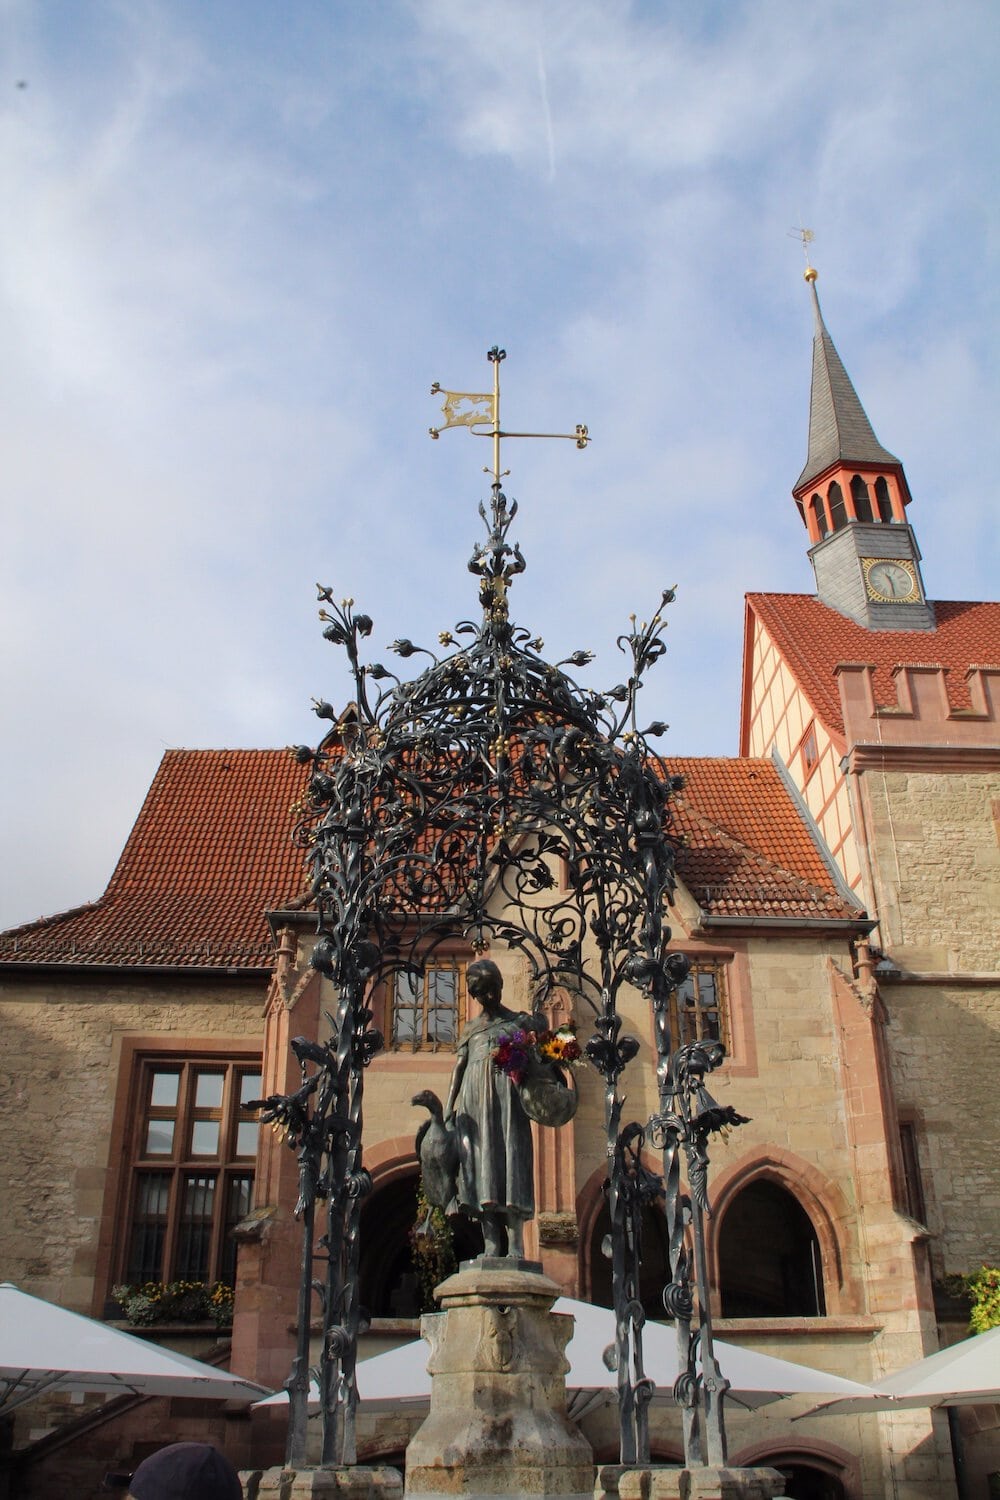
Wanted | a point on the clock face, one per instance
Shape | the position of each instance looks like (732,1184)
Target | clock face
(890,582)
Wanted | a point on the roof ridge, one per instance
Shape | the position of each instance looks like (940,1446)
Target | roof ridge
(724,760)
(226,750)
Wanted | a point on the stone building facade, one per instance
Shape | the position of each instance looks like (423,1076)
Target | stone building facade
(145,1021)
(837,895)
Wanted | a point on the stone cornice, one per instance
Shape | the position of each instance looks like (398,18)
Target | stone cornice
(868,756)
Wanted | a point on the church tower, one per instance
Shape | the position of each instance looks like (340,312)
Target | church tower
(852,495)
(882,710)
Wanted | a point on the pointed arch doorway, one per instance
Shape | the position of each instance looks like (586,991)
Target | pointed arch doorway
(388,1282)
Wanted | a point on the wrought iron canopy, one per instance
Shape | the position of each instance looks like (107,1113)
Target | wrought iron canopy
(489,799)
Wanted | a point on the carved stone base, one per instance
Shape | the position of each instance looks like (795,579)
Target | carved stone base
(357,1483)
(700,1484)
(497,1424)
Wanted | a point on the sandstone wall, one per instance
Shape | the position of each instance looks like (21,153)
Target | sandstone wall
(945,1042)
(58,1076)
(936,864)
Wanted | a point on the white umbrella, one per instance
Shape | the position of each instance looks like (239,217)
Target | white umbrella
(43,1348)
(965,1374)
(756,1379)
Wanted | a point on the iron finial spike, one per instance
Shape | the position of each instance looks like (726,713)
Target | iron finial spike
(495,356)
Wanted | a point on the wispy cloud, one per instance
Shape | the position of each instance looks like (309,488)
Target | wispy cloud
(238,248)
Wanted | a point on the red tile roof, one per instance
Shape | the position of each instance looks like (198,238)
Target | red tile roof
(745,851)
(211,852)
(815,639)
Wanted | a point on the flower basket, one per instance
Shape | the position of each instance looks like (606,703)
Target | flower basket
(539,1064)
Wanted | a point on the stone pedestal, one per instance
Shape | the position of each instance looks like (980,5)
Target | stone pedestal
(700,1484)
(357,1483)
(497,1425)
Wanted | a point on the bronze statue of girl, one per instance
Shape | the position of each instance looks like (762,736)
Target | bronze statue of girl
(495,1162)
(476,1152)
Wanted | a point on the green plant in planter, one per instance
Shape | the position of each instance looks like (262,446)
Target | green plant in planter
(984,1289)
(155,1302)
(981,1289)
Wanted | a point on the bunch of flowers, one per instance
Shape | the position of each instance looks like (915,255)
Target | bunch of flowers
(176,1302)
(559,1046)
(512,1053)
(515,1049)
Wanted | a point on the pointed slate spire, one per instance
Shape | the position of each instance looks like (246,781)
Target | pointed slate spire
(839,429)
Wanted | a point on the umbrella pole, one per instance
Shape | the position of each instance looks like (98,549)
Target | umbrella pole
(958,1454)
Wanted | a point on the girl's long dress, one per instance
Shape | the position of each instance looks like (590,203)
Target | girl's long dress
(495,1156)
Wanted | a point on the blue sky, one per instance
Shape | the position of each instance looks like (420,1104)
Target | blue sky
(240,241)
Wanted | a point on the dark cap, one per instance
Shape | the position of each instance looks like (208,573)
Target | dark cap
(186,1471)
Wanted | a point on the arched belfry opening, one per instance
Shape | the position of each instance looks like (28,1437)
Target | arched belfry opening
(862,499)
(770,1264)
(838,506)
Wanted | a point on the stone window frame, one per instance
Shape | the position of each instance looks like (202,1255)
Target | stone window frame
(824,1203)
(703,965)
(801,1235)
(912,1190)
(424,1036)
(128,1161)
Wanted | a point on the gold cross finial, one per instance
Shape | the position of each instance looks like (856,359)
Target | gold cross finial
(480,412)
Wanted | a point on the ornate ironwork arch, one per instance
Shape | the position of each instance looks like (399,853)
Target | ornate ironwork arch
(489,799)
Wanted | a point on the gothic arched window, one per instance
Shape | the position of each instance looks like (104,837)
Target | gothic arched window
(769,1257)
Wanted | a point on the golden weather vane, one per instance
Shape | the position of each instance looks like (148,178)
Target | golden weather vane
(806,236)
(480,412)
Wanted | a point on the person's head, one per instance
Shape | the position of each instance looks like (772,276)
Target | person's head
(186,1471)
(484,983)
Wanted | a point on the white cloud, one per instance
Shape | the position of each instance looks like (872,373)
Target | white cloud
(243,248)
